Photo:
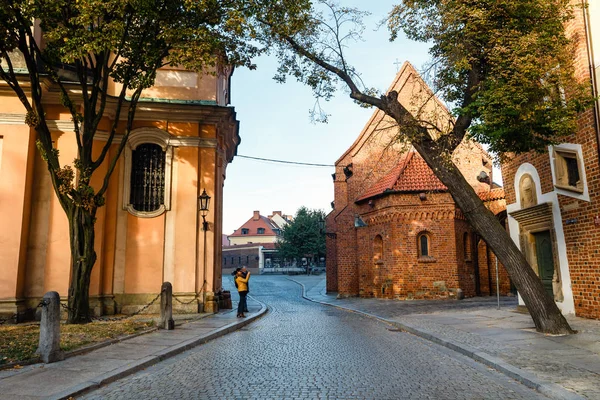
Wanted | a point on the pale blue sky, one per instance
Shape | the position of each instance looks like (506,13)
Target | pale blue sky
(274,123)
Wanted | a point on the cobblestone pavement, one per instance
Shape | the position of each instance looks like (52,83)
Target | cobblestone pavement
(570,361)
(303,350)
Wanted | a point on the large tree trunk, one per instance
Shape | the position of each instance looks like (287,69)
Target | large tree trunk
(83,257)
(544,311)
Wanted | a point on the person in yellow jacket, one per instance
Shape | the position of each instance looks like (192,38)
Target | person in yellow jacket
(242,287)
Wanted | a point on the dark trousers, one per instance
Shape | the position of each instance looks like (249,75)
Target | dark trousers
(242,304)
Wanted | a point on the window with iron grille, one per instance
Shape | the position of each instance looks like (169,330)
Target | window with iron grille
(147,184)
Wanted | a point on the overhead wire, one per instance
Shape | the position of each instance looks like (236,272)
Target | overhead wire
(285,161)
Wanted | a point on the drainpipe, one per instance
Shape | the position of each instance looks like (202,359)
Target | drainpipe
(588,35)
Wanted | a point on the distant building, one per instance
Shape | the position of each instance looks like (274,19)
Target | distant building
(253,243)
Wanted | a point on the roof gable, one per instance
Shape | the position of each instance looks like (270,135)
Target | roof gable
(411,174)
(254,224)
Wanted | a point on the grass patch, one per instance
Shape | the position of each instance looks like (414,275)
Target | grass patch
(18,343)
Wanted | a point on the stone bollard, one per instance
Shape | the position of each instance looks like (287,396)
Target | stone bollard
(166,307)
(49,347)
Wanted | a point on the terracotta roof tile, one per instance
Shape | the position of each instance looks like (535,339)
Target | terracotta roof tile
(491,195)
(412,174)
(252,225)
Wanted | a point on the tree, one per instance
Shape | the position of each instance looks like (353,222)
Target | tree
(302,237)
(506,67)
(85,48)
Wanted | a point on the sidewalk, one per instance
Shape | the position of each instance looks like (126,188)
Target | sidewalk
(85,372)
(560,367)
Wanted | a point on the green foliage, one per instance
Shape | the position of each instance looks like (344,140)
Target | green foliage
(507,65)
(303,237)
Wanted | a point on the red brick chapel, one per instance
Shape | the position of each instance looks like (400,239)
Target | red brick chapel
(395,231)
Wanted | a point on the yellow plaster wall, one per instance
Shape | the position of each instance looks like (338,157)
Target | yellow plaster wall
(184,209)
(110,222)
(37,246)
(16,167)
(206,168)
(58,253)
(97,180)
(144,254)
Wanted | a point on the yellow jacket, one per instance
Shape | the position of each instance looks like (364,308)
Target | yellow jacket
(242,283)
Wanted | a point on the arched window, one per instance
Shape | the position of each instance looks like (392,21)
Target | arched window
(147,173)
(147,190)
(378,248)
(424,245)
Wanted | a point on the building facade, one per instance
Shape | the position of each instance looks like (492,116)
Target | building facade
(553,198)
(253,244)
(395,231)
(185,134)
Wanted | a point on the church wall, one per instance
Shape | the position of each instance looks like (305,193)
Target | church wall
(400,272)
(16,168)
(576,222)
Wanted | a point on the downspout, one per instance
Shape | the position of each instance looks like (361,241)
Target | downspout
(586,24)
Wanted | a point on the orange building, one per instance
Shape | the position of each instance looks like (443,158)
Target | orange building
(395,230)
(185,134)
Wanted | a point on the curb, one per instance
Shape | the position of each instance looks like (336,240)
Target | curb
(548,389)
(162,355)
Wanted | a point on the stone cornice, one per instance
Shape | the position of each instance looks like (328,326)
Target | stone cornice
(539,214)
(223,117)
(67,126)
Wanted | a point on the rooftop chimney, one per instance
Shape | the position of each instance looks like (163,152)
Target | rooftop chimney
(277,213)
(256,216)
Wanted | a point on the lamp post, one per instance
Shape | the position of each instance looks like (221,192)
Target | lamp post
(203,203)
(331,235)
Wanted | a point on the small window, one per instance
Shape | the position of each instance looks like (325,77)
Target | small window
(224,260)
(247,259)
(231,260)
(260,231)
(568,170)
(239,259)
(424,245)
(377,249)
(244,231)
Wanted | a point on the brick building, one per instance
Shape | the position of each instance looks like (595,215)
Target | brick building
(395,231)
(253,243)
(553,198)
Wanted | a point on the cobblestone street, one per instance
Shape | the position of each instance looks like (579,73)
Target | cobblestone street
(303,350)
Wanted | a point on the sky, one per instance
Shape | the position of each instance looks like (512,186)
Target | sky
(275,124)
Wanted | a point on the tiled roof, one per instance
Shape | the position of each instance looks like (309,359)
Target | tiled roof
(412,174)
(252,225)
(491,195)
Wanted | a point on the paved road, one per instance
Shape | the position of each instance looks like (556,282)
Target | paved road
(303,350)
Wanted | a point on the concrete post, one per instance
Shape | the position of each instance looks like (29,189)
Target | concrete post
(166,307)
(49,347)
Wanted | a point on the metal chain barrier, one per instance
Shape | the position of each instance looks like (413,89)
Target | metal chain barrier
(185,303)
(16,315)
(66,307)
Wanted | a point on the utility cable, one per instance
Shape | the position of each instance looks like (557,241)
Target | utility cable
(286,162)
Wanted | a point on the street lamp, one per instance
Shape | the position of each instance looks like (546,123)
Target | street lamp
(203,203)
(331,235)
